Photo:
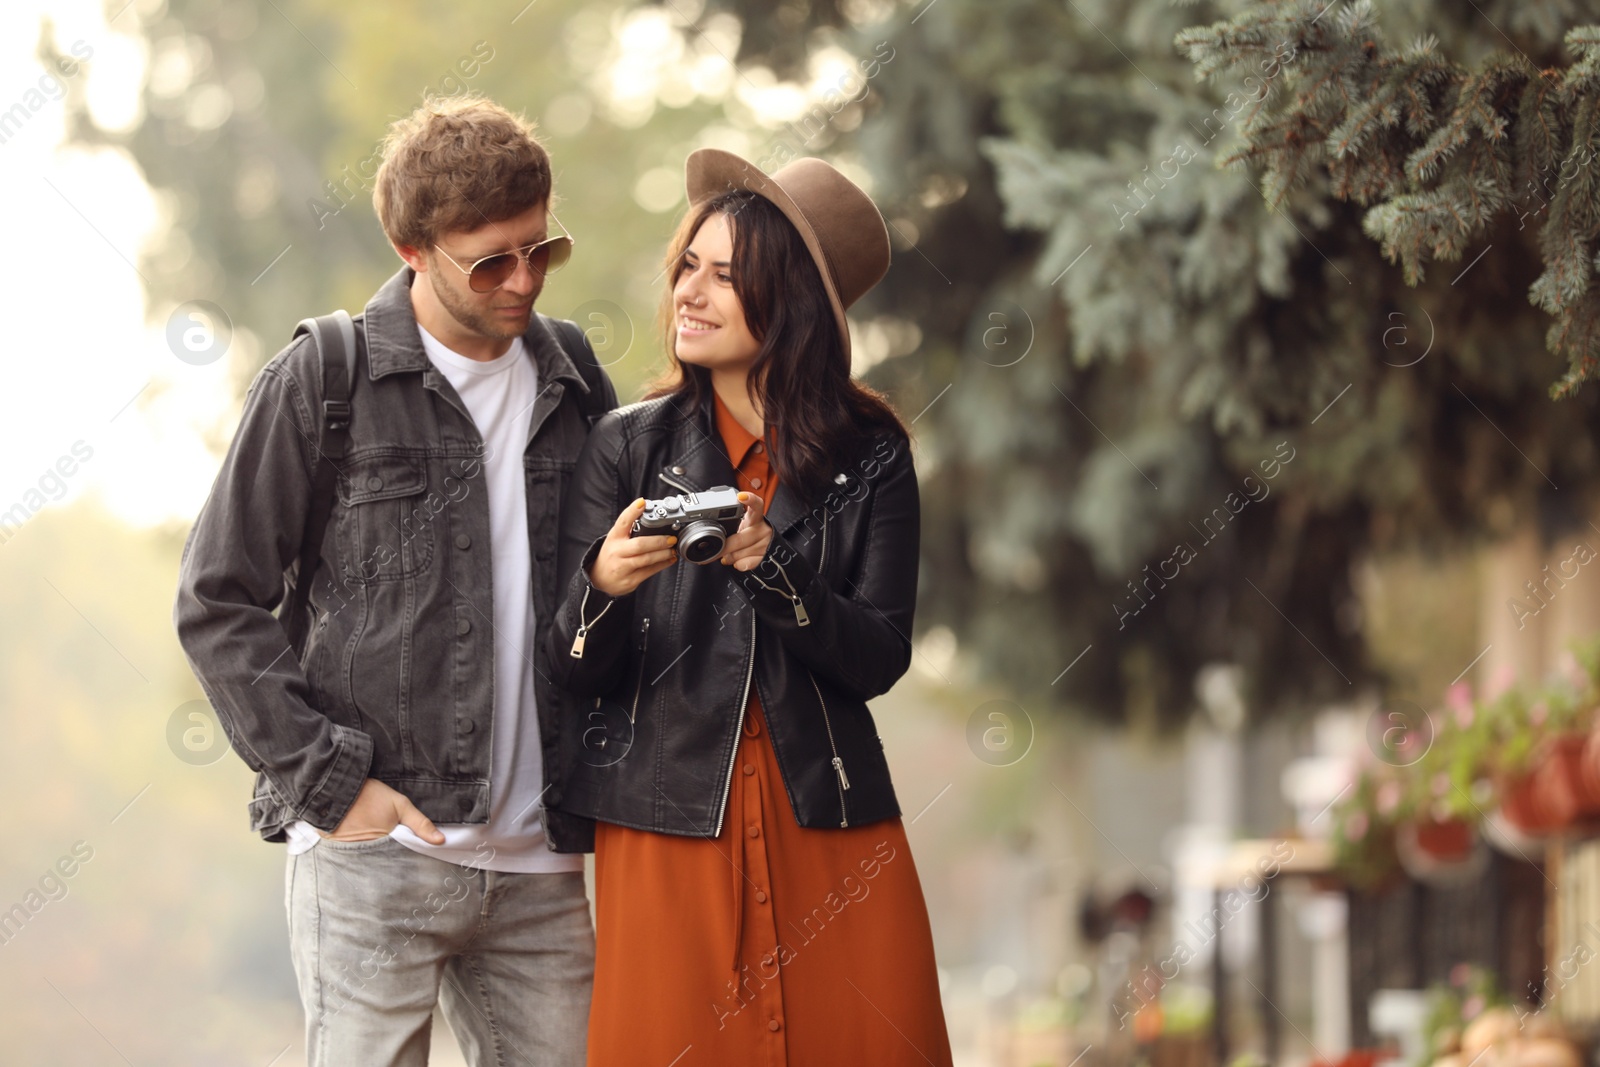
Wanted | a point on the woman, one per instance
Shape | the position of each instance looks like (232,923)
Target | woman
(756,900)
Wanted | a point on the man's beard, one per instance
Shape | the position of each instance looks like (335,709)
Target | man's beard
(478,320)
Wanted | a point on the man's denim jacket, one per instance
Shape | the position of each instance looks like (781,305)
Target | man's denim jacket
(396,681)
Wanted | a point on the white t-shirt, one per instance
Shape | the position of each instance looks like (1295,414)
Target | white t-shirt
(500,394)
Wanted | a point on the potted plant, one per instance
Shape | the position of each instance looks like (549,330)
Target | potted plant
(1364,826)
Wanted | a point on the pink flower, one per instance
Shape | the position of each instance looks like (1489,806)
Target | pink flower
(1441,784)
(1472,1007)
(1504,677)
(1388,797)
(1538,713)
(1355,827)
(1459,697)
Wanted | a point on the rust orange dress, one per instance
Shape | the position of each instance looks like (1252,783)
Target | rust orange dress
(771,944)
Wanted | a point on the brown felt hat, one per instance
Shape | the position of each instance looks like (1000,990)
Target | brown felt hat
(837,220)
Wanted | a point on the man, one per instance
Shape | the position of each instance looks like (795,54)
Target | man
(409,753)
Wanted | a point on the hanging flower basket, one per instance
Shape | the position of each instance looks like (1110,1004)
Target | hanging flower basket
(1451,839)
(1563,783)
(1440,851)
(1591,762)
(1524,808)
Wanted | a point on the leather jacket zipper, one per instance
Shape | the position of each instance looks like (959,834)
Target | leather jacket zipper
(644,646)
(744,696)
(738,730)
(838,764)
(822,558)
(676,484)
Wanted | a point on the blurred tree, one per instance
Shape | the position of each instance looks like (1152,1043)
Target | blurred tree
(1101,331)
(1116,330)
(261,123)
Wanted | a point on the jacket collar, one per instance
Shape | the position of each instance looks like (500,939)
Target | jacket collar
(700,462)
(393,343)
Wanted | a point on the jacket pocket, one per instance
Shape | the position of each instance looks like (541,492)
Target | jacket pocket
(386,519)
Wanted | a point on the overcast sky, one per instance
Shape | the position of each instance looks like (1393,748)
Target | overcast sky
(81,364)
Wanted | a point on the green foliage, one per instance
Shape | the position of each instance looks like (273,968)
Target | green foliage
(311,91)
(1212,255)
(1437,149)
(1101,326)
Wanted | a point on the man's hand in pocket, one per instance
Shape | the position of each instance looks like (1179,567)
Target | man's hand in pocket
(378,810)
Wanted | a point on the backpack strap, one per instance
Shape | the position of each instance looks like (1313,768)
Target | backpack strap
(576,345)
(335,337)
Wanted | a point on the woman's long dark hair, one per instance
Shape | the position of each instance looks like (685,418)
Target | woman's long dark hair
(817,417)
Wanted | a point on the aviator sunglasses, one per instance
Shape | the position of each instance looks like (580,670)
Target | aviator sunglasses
(491,272)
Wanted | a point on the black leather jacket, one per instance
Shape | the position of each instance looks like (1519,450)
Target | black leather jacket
(659,692)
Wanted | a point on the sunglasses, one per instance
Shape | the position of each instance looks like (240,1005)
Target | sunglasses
(491,272)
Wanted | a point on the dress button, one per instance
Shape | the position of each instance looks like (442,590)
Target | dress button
(755,483)
(759,447)
(774,1026)
(463,626)
(755,831)
(749,768)
(463,541)
(374,483)
(468,726)
(761,898)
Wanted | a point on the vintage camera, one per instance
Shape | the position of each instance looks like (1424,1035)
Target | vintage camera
(702,521)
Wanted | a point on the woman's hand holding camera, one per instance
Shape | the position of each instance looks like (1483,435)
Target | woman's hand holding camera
(625,561)
(747,546)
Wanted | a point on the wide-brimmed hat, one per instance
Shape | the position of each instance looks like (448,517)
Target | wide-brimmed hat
(838,221)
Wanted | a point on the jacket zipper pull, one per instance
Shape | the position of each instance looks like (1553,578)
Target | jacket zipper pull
(838,766)
(800,616)
(583,627)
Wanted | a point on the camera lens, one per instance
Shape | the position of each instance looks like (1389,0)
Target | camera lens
(701,541)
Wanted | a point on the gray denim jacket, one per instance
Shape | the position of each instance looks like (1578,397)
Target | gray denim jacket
(396,682)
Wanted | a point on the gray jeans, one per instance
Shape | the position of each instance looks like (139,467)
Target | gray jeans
(379,934)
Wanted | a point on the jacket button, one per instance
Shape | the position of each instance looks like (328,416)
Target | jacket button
(774,1025)
(755,483)
(761,898)
(749,768)
(677,470)
(463,541)
(374,483)
(755,831)
(839,479)
(463,626)
(468,726)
